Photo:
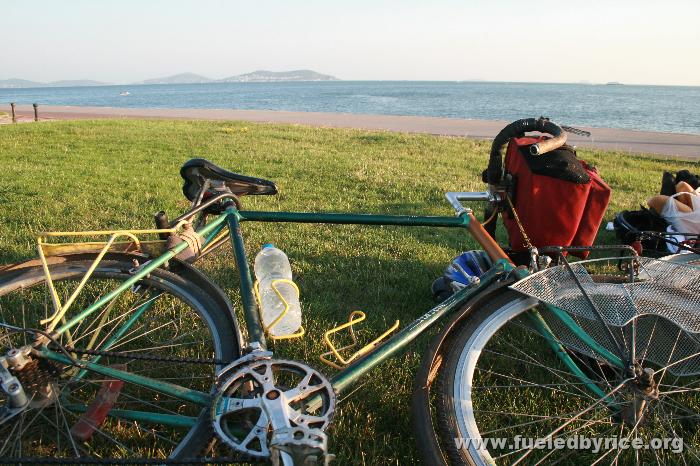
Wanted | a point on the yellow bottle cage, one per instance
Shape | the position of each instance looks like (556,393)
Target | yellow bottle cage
(256,289)
(355,317)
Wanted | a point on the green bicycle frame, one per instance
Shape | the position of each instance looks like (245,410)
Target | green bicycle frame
(232,219)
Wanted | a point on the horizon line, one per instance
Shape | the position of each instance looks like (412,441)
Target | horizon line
(47,85)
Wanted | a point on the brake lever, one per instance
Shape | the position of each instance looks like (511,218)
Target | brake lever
(578,132)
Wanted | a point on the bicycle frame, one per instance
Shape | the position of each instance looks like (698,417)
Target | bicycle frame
(232,219)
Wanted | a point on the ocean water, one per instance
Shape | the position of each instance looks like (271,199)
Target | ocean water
(651,108)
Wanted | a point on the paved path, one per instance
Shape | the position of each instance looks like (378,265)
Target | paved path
(668,144)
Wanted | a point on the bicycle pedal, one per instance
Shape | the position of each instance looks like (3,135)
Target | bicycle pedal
(92,419)
(306,447)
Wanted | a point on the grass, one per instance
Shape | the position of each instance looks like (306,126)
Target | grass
(116,174)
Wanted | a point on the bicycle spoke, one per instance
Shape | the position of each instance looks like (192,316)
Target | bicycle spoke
(543,419)
(538,363)
(633,430)
(560,374)
(556,372)
(532,384)
(15,426)
(581,413)
(675,435)
(106,435)
(117,319)
(511,453)
(60,429)
(98,319)
(668,366)
(610,451)
(649,340)
(141,401)
(122,343)
(151,348)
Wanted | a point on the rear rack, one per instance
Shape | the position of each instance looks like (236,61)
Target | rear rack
(132,244)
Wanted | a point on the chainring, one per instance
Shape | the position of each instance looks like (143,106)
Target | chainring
(257,397)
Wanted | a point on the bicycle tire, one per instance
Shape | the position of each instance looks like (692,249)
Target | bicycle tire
(183,321)
(473,403)
(423,409)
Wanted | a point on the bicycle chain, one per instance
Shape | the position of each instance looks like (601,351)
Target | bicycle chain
(115,461)
(137,461)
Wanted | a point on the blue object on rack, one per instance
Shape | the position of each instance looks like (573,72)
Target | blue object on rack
(466,269)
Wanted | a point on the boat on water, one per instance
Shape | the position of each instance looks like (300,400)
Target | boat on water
(125,93)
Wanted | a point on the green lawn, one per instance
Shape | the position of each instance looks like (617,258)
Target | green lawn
(116,174)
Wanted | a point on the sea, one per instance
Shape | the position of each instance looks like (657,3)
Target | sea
(674,109)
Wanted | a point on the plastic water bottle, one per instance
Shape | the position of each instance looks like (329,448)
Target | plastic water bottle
(272,264)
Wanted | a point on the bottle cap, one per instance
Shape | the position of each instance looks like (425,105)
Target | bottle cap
(268,245)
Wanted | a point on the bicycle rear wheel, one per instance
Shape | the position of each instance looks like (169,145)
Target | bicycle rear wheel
(504,397)
(162,316)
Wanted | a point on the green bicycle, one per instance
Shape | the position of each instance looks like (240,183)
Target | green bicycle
(121,352)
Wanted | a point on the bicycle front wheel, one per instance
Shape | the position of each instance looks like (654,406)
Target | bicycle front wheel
(505,397)
(164,328)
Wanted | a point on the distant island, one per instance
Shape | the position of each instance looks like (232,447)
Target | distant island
(21,83)
(260,76)
(263,76)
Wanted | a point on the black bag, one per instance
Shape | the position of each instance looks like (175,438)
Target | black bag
(629,225)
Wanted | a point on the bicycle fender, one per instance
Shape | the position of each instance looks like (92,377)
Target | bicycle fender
(426,437)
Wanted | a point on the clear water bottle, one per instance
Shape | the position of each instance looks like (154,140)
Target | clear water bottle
(272,269)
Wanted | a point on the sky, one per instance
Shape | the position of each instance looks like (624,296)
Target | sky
(633,42)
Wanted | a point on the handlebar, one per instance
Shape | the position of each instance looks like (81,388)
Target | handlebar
(476,229)
(454,199)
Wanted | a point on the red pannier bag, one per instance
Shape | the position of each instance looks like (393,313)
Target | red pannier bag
(559,199)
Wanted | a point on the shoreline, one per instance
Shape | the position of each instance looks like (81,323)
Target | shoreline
(686,146)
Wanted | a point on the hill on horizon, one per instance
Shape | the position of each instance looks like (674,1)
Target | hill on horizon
(78,82)
(255,76)
(183,78)
(278,76)
(24,83)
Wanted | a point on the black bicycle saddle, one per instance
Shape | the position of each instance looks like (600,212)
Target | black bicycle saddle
(196,172)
